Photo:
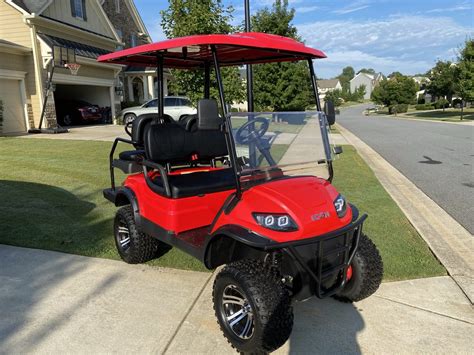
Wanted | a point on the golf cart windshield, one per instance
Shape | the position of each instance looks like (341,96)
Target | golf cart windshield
(270,145)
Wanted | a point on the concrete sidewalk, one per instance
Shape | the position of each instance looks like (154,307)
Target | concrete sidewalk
(60,303)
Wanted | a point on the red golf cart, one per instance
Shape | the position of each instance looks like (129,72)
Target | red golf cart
(251,191)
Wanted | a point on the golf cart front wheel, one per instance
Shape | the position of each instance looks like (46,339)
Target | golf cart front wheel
(252,307)
(365,273)
(134,247)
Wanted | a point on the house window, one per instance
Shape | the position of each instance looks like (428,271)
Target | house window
(117,6)
(78,9)
(133,40)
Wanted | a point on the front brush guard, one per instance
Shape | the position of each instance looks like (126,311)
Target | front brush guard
(313,257)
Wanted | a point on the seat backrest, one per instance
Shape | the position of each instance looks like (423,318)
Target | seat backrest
(208,115)
(172,143)
(140,124)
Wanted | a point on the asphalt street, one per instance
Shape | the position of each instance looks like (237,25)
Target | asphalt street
(437,157)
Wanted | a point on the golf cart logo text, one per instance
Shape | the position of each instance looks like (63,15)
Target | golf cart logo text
(319,216)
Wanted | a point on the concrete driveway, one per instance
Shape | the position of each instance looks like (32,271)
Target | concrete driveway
(103,132)
(55,303)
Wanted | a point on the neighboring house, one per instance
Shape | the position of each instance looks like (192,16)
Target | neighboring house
(31,31)
(139,84)
(370,81)
(325,86)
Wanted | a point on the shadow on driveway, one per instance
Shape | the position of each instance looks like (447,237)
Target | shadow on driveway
(325,327)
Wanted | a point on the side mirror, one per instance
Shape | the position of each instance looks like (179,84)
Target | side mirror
(330,112)
(337,150)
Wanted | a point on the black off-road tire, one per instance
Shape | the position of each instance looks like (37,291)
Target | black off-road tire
(141,247)
(268,299)
(367,273)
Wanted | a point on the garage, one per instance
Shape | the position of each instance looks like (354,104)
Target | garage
(12,95)
(70,98)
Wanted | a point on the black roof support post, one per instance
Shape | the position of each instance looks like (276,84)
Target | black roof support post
(228,126)
(314,84)
(207,80)
(250,101)
(160,86)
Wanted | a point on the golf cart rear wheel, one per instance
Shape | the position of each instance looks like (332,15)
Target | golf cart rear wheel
(252,307)
(134,247)
(367,272)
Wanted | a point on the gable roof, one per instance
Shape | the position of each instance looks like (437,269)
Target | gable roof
(137,18)
(368,76)
(33,6)
(328,84)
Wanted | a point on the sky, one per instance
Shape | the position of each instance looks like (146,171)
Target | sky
(408,36)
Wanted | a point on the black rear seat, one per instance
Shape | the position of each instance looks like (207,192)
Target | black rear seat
(173,144)
(199,183)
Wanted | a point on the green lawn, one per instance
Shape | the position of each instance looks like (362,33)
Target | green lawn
(449,115)
(405,254)
(52,199)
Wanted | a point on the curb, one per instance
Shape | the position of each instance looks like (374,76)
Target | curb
(450,242)
(407,118)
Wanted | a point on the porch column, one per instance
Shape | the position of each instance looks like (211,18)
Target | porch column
(145,88)
(130,89)
(165,85)
(112,102)
(151,91)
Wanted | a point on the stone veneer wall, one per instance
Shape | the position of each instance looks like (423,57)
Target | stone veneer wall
(122,21)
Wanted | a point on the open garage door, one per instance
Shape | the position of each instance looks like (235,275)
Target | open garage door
(13,107)
(83,104)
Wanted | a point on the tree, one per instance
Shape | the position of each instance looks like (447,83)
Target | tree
(280,86)
(191,17)
(360,93)
(367,71)
(399,89)
(334,96)
(345,78)
(464,74)
(442,80)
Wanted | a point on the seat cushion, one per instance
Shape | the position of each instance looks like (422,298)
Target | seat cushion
(199,183)
(132,155)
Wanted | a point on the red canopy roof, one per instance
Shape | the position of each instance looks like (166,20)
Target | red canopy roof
(233,49)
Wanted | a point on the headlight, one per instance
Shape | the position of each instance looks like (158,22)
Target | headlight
(277,222)
(340,205)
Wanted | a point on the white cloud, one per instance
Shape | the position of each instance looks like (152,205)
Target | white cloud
(404,43)
(353,7)
(302,9)
(349,10)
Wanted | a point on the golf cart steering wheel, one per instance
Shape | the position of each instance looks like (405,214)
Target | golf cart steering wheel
(128,128)
(245,134)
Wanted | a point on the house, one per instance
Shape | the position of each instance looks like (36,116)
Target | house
(37,35)
(370,81)
(325,86)
(138,84)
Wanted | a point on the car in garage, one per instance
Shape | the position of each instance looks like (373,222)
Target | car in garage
(175,106)
(71,112)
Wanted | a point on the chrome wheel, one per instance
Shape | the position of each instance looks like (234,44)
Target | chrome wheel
(237,312)
(123,236)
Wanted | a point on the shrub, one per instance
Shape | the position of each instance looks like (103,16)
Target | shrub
(457,103)
(441,103)
(398,108)
(424,107)
(421,100)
